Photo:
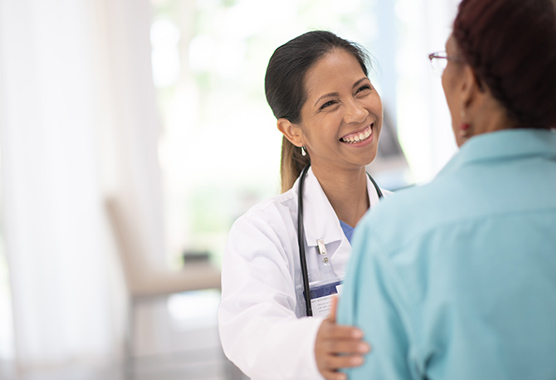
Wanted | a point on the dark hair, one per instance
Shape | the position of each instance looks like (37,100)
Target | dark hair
(511,47)
(285,87)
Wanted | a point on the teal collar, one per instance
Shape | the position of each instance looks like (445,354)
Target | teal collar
(504,145)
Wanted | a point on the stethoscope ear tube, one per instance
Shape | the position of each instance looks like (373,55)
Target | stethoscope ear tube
(301,237)
(301,243)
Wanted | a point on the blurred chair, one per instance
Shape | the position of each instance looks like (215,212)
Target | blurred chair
(144,281)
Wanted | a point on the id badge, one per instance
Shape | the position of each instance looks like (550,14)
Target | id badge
(321,297)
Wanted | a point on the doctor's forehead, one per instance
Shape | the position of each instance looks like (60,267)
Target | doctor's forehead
(335,70)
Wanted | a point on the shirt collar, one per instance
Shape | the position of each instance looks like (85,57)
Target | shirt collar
(504,145)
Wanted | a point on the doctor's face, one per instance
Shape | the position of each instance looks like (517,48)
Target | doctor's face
(342,116)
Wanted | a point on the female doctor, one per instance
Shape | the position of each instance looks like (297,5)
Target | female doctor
(331,116)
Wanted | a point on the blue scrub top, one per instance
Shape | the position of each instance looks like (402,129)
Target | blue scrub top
(457,279)
(348,230)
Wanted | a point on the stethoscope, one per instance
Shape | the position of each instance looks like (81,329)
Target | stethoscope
(301,237)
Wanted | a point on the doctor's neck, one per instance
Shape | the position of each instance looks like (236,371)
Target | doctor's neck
(346,191)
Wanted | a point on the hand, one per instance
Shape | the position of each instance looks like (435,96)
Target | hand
(338,346)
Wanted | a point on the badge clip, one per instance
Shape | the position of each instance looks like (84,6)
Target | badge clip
(322,250)
(321,247)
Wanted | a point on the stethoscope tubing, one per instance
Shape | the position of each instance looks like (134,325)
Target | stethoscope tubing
(301,237)
(301,243)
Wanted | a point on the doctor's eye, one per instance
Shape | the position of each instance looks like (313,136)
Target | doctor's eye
(327,104)
(364,88)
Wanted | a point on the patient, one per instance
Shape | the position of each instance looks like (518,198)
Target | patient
(457,279)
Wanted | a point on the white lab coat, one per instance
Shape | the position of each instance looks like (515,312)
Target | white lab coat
(262,320)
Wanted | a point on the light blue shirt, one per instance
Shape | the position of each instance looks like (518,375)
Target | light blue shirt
(457,279)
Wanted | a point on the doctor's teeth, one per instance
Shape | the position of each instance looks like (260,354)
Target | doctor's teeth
(358,138)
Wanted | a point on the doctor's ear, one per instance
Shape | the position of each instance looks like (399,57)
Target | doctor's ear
(292,132)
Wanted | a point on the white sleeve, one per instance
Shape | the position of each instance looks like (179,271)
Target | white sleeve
(259,329)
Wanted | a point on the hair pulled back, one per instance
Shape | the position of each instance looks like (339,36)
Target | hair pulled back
(511,47)
(285,87)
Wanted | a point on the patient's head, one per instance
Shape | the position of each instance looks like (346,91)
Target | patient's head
(511,47)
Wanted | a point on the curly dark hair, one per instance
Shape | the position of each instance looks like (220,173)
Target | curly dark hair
(511,47)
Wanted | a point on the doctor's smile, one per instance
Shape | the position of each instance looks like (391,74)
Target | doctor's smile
(359,137)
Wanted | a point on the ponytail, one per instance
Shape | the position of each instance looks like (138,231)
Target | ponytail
(291,164)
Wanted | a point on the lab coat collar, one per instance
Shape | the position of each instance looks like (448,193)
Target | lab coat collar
(320,220)
(503,145)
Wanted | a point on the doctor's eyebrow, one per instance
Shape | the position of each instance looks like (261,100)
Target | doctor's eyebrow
(359,81)
(336,94)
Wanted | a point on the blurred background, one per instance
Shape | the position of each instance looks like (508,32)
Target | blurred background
(133,133)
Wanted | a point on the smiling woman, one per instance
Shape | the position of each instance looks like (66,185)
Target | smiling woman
(281,270)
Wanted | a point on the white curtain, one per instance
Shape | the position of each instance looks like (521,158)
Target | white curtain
(78,124)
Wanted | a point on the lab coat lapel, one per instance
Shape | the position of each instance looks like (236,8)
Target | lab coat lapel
(320,220)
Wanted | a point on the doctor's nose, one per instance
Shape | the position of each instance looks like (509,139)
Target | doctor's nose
(355,113)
